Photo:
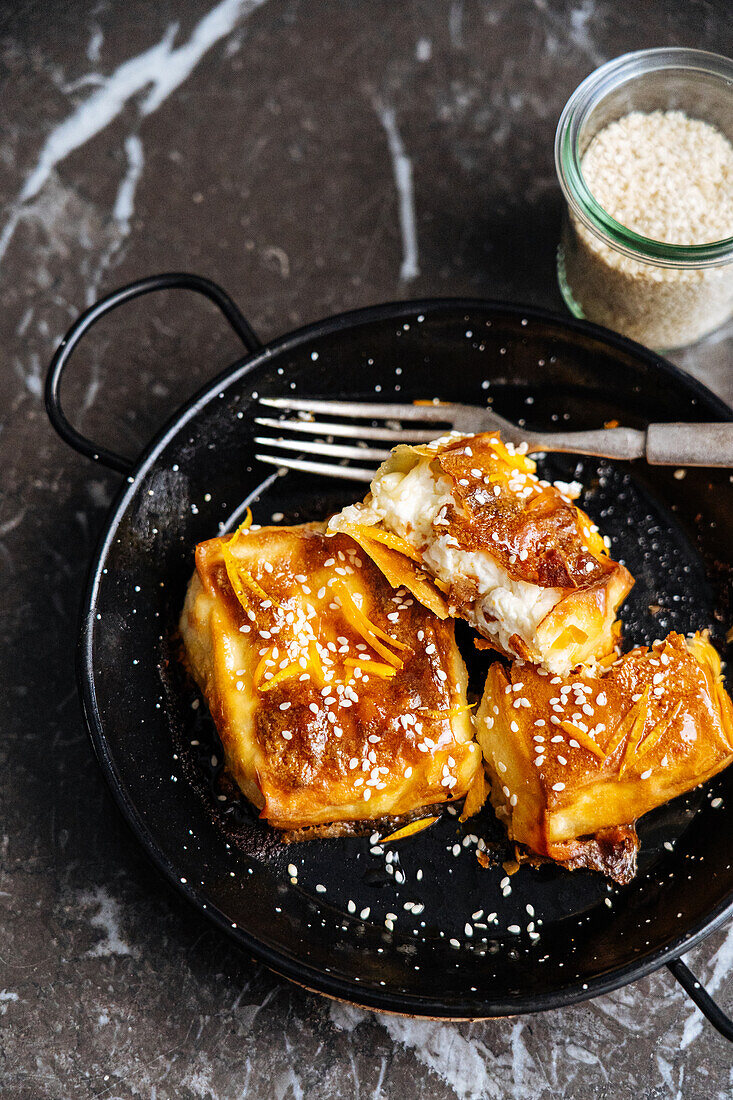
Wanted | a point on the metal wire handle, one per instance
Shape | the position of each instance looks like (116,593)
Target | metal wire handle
(171,281)
(697,993)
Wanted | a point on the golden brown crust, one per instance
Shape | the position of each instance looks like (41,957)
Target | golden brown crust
(312,713)
(528,529)
(571,756)
(535,532)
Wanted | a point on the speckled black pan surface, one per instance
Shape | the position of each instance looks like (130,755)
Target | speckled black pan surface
(673,534)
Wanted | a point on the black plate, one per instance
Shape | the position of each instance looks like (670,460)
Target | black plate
(673,534)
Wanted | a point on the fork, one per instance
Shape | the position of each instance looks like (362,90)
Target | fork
(675,444)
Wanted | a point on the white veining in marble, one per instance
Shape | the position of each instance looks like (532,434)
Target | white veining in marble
(402,167)
(125,202)
(455,24)
(95,43)
(106,918)
(122,212)
(162,68)
(464,1062)
(423,49)
(7,996)
(582,28)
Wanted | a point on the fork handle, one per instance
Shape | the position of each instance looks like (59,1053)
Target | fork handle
(690,444)
(678,444)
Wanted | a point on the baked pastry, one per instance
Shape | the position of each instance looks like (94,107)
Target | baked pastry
(467,526)
(337,698)
(573,761)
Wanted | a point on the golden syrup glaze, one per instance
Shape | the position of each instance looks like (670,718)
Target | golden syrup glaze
(534,530)
(498,509)
(593,751)
(315,708)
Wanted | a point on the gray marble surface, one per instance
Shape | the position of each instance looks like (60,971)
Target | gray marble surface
(311,156)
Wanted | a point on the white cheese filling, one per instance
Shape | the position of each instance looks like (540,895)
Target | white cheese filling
(409,505)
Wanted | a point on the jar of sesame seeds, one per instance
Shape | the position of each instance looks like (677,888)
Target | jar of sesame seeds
(644,156)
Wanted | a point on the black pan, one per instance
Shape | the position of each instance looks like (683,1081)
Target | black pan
(158,750)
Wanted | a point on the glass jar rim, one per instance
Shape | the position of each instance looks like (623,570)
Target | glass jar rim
(621,70)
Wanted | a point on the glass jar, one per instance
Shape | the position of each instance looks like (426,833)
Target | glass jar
(663,295)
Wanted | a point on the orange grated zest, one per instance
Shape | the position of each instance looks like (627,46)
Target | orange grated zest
(244,525)
(636,731)
(372,626)
(374,667)
(260,669)
(257,588)
(315,665)
(584,740)
(234,578)
(362,625)
(387,538)
(621,731)
(409,830)
(648,743)
(241,580)
(284,674)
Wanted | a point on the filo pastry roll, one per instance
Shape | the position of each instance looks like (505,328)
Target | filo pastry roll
(465,523)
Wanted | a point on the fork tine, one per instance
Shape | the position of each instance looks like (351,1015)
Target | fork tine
(351,431)
(349,473)
(316,447)
(367,409)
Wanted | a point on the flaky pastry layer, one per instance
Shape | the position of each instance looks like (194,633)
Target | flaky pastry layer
(336,697)
(468,527)
(573,761)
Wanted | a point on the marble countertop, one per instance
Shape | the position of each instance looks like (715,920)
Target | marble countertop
(312,157)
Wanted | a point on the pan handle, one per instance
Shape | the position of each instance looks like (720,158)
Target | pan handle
(170,281)
(709,1008)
